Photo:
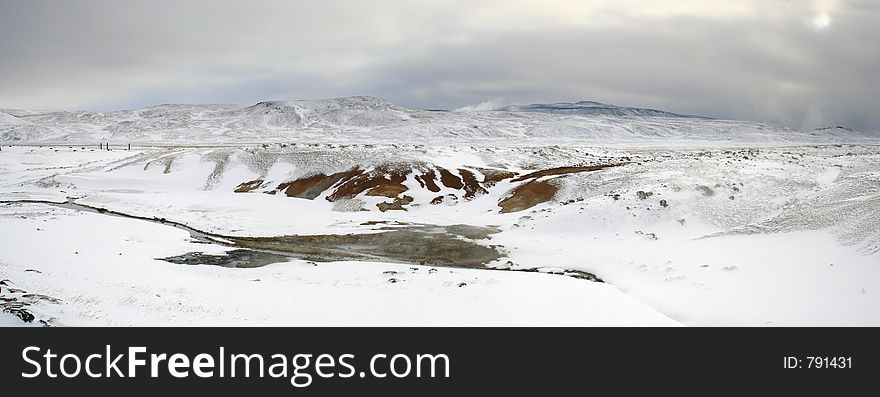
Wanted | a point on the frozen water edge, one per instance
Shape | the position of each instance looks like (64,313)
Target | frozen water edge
(109,276)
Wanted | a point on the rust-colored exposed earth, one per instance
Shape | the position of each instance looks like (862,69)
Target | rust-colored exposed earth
(427,180)
(527,196)
(449,180)
(563,171)
(491,176)
(387,181)
(382,180)
(312,186)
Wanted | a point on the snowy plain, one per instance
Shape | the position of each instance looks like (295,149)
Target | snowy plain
(699,222)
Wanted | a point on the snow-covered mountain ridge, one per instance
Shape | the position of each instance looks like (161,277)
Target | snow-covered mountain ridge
(374,120)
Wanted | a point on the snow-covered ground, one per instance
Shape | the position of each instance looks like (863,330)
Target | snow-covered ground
(103,270)
(764,229)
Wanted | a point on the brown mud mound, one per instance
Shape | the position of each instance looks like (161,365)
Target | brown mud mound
(491,176)
(535,192)
(449,179)
(390,191)
(385,178)
(312,186)
(471,184)
(563,171)
(427,180)
(527,196)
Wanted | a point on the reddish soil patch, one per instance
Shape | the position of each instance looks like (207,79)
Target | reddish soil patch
(563,171)
(312,186)
(449,179)
(427,180)
(383,177)
(493,176)
(471,185)
(387,181)
(391,191)
(249,186)
(527,196)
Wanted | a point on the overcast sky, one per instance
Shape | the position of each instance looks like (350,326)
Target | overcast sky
(801,63)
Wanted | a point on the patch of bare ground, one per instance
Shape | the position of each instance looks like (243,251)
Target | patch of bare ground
(249,186)
(471,184)
(449,179)
(427,179)
(385,178)
(388,181)
(312,186)
(563,171)
(535,192)
(385,181)
(396,205)
(527,196)
(18,302)
(390,191)
(491,176)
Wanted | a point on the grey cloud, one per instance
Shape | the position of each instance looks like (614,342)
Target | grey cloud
(768,66)
(710,68)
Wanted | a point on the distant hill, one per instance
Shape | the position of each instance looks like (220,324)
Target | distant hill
(367,120)
(588,108)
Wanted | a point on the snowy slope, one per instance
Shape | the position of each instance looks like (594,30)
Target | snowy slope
(687,220)
(588,108)
(753,236)
(374,120)
(10,120)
